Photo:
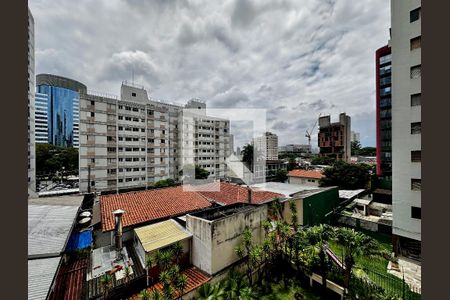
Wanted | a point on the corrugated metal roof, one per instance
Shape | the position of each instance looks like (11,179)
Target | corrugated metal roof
(49,228)
(40,276)
(161,234)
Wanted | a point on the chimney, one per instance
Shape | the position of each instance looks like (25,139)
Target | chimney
(118,231)
(249,195)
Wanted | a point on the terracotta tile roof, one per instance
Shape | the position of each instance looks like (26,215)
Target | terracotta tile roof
(149,205)
(70,281)
(232,193)
(306,174)
(195,279)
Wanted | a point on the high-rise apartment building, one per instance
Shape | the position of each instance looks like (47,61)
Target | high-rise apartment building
(383,59)
(294,149)
(31,126)
(334,138)
(268,144)
(60,96)
(355,137)
(406,125)
(132,142)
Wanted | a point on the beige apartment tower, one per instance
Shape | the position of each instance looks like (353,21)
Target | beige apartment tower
(132,142)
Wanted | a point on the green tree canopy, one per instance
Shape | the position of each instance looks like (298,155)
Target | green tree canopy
(346,176)
(51,159)
(322,160)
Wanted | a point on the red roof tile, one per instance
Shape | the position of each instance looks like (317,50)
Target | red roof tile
(232,193)
(149,205)
(70,281)
(195,279)
(305,174)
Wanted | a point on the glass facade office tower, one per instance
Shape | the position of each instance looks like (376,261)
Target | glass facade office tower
(61,98)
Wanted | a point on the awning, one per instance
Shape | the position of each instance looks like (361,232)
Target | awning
(79,240)
(160,235)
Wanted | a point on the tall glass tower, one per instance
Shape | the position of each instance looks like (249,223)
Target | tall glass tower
(62,98)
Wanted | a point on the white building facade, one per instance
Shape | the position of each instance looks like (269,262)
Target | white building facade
(406,119)
(268,144)
(31,125)
(132,142)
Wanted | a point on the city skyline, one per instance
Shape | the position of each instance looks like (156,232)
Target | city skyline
(296,62)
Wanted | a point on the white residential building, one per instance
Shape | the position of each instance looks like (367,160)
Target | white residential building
(132,142)
(406,123)
(41,118)
(31,133)
(268,144)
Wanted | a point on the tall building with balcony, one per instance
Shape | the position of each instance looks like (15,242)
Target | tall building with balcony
(132,142)
(334,139)
(406,126)
(383,59)
(61,97)
(31,125)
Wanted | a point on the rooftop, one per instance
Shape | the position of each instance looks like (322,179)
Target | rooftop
(305,174)
(70,281)
(349,194)
(162,234)
(216,213)
(229,193)
(286,189)
(49,227)
(308,193)
(40,276)
(151,205)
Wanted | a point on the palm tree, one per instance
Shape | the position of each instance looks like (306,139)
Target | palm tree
(233,284)
(127,271)
(356,244)
(105,282)
(181,284)
(317,237)
(144,295)
(163,259)
(293,208)
(173,273)
(177,251)
(156,295)
(255,258)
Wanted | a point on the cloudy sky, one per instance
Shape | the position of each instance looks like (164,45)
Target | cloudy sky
(295,59)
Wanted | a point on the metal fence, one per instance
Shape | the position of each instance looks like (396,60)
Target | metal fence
(393,285)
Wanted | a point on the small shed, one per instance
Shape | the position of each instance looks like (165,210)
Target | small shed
(158,236)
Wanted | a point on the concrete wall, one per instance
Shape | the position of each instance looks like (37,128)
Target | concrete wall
(214,241)
(403,114)
(303,181)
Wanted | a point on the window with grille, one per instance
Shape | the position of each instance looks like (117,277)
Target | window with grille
(416,71)
(416,184)
(414,15)
(416,128)
(416,212)
(416,156)
(415,99)
(415,43)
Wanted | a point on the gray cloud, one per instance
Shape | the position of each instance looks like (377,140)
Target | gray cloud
(293,58)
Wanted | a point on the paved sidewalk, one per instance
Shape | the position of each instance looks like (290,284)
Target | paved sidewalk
(412,270)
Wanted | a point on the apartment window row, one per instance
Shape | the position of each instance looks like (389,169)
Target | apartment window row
(131,179)
(131,159)
(131,119)
(134,129)
(130,139)
(129,108)
(131,169)
(129,149)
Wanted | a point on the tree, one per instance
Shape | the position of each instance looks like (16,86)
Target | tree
(201,173)
(210,292)
(368,151)
(346,176)
(247,155)
(281,175)
(127,271)
(164,183)
(317,238)
(177,250)
(355,147)
(323,160)
(105,282)
(148,264)
(51,158)
(181,284)
(356,244)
